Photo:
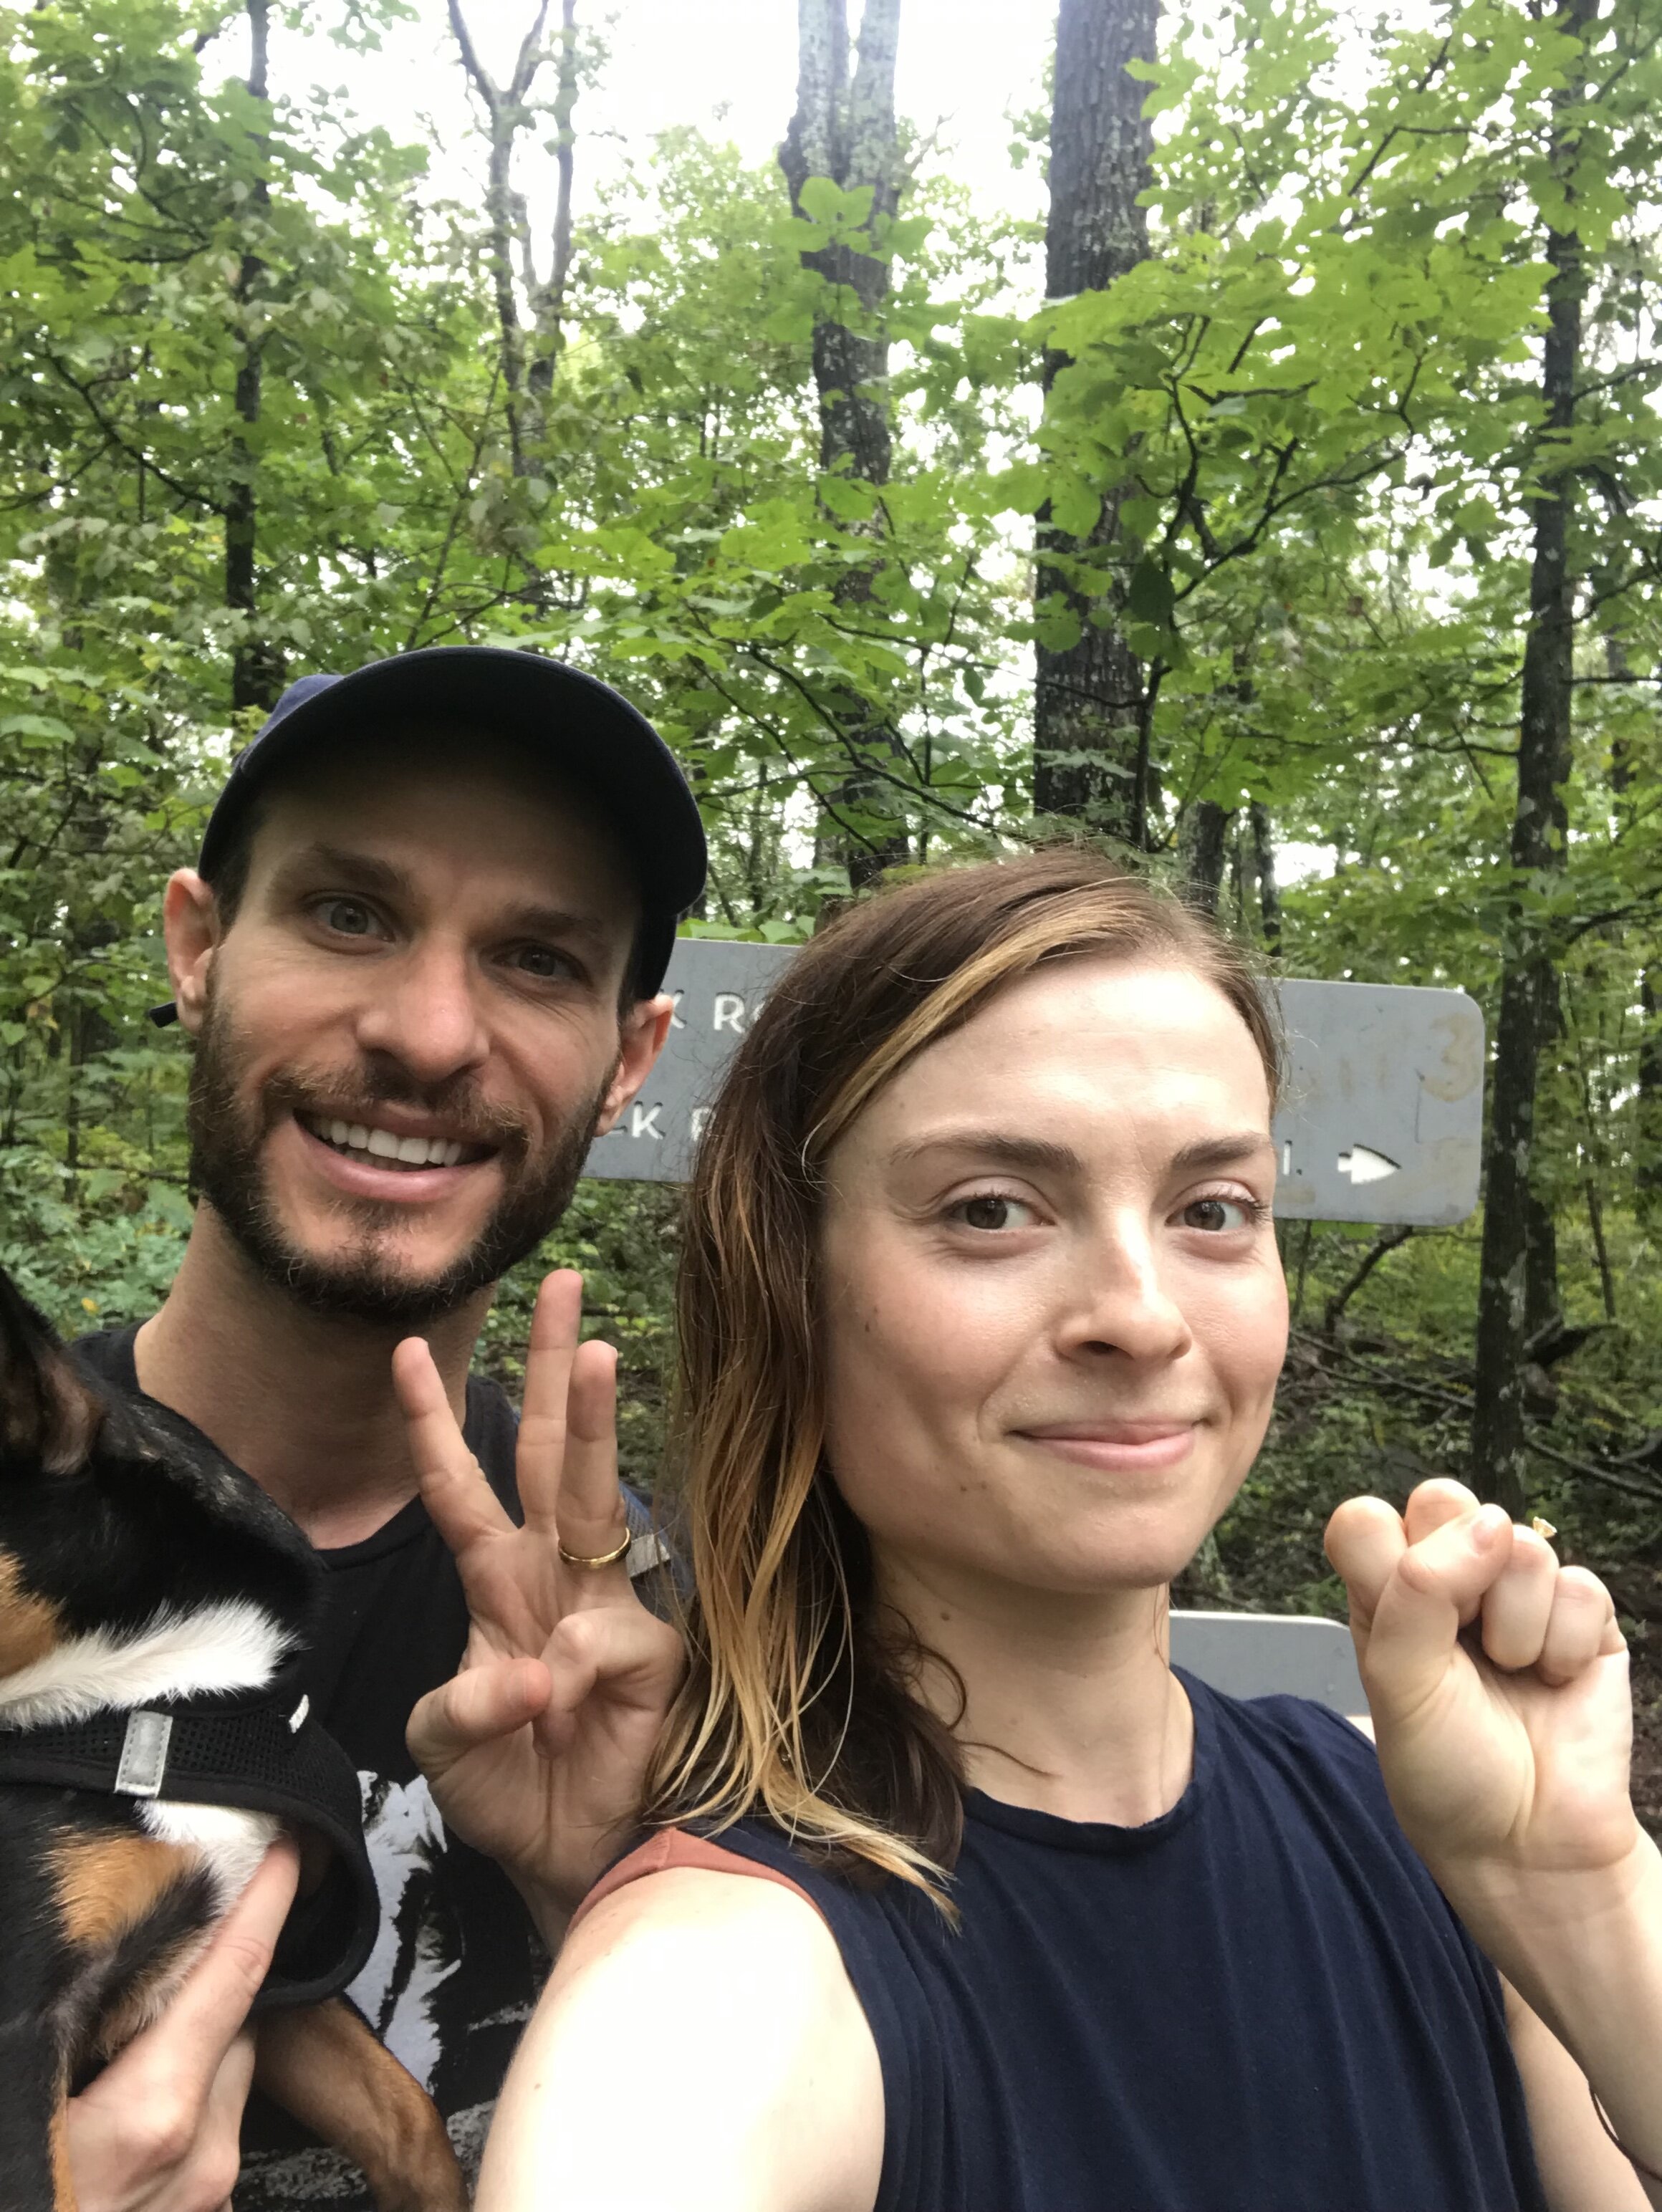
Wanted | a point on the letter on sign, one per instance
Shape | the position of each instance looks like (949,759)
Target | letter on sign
(729,1012)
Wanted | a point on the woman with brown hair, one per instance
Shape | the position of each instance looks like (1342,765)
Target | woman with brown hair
(955,1897)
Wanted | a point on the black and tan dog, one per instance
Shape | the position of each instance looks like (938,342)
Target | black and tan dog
(154,1606)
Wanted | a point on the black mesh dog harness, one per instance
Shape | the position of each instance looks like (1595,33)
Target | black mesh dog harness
(259,1752)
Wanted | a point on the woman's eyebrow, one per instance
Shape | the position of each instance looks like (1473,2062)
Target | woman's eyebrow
(1222,1152)
(1009,1151)
(1038,1155)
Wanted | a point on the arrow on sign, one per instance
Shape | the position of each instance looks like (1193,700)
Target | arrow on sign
(1364,1166)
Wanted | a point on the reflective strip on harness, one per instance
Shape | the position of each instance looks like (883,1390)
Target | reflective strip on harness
(143,1754)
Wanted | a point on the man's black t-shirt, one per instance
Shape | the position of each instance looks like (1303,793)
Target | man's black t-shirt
(457,1965)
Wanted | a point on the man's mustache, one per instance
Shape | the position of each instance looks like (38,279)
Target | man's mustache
(325,1096)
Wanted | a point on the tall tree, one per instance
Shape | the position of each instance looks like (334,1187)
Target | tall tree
(1091,738)
(256,663)
(529,337)
(1202,846)
(844,130)
(1528,1018)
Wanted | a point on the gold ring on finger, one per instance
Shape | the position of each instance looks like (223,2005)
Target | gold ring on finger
(601,1559)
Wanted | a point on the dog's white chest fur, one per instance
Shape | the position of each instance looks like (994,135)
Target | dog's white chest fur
(233,1644)
(228,1842)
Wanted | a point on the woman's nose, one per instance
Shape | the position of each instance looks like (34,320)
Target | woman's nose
(1121,1302)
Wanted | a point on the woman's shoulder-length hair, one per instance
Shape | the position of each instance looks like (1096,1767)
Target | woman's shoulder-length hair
(800,1705)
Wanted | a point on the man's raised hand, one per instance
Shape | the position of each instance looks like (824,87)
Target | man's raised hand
(536,1749)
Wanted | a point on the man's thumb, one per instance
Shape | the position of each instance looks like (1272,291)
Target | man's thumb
(475,1707)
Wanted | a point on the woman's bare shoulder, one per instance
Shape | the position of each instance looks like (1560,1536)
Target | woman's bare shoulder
(765,2093)
(689,1907)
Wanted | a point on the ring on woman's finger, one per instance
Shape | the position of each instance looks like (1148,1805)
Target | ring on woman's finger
(601,1559)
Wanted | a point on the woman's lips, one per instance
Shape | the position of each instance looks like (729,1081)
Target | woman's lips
(1116,1447)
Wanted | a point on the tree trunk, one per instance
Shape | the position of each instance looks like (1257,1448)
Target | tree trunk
(1201,836)
(1540,822)
(507,233)
(1263,866)
(844,128)
(1090,757)
(256,666)
(1543,1305)
(1648,1168)
(1647,1105)
(548,300)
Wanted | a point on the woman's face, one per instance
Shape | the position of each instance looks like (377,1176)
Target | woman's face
(1054,1309)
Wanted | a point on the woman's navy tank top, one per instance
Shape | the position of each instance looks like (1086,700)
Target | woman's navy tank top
(1260,2002)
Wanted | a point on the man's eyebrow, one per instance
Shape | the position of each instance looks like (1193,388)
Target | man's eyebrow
(366,871)
(556,921)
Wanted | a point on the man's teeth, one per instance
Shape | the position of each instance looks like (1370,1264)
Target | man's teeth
(383,1145)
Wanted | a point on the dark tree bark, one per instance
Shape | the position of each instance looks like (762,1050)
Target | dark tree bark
(1091,757)
(1263,866)
(844,128)
(1648,1168)
(1648,1151)
(257,667)
(1543,1305)
(1529,1007)
(1202,837)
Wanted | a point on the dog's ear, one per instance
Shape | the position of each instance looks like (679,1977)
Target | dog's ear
(48,1416)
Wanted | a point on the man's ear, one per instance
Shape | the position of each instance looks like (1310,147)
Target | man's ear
(190,924)
(641,1039)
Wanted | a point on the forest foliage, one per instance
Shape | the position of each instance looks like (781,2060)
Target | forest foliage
(270,402)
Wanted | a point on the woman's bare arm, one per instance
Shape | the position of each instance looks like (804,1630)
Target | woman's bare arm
(1581,2169)
(699,2045)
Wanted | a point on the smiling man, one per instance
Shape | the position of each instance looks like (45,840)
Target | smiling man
(421,957)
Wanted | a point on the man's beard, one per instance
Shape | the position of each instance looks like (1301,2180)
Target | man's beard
(228,1132)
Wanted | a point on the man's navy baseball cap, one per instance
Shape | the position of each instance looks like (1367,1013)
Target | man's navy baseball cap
(587,732)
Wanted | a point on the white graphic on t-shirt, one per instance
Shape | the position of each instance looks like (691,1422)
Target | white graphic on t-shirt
(406,1993)
(394,1992)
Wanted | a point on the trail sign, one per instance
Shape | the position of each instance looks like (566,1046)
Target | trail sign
(1381,1120)
(719,985)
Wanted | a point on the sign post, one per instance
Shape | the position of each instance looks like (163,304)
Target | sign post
(1381,1115)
